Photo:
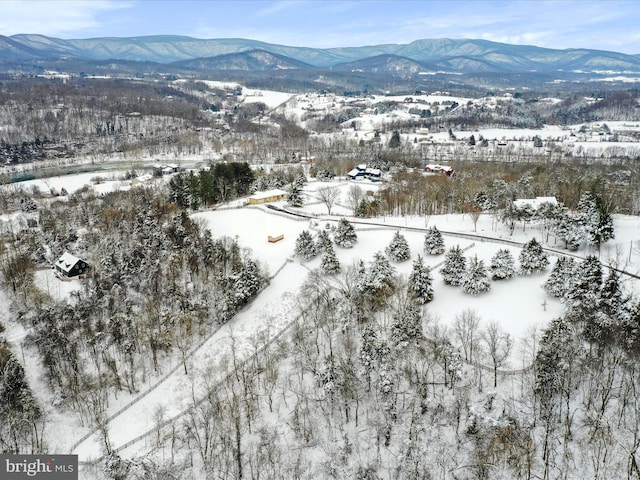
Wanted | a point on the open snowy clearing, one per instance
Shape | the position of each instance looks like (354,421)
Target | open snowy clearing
(58,289)
(516,303)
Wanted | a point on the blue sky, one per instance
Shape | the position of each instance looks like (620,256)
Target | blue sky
(604,24)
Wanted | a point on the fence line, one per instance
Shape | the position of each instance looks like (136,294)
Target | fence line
(164,377)
(304,217)
(220,382)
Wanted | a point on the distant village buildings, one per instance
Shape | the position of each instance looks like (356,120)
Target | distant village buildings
(165,169)
(439,169)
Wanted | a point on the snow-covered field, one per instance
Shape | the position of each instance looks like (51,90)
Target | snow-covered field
(516,304)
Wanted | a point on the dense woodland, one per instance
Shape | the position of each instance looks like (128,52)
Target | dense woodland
(365,384)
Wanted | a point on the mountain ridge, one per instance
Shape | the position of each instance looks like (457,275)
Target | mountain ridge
(465,55)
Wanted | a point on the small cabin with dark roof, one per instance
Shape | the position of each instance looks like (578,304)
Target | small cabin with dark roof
(70,266)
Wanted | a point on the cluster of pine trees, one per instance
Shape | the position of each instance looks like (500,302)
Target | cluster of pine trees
(220,183)
(474,276)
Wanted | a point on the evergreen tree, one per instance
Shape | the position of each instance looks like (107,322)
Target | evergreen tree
(361,210)
(554,366)
(362,278)
(604,230)
(582,295)
(247,283)
(179,190)
(329,264)
(380,276)
(367,208)
(586,280)
(305,246)
(19,410)
(612,301)
(532,258)
(300,180)
(454,267)
(420,286)
(559,281)
(502,265)
(433,242)
(570,229)
(597,221)
(345,235)
(323,242)
(484,201)
(394,142)
(295,197)
(398,249)
(613,312)
(407,323)
(476,280)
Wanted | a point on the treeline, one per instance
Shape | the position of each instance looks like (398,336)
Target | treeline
(510,114)
(586,376)
(96,117)
(26,151)
(220,183)
(487,188)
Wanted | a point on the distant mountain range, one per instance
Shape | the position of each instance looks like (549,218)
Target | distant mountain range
(178,53)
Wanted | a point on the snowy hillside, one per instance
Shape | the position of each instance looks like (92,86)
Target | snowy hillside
(289,321)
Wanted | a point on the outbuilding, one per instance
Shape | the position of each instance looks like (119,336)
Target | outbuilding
(267,196)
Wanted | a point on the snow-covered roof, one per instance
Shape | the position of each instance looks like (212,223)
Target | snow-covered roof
(534,202)
(144,178)
(444,168)
(363,169)
(276,192)
(66,261)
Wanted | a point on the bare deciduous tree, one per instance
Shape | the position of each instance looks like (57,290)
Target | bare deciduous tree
(499,345)
(354,196)
(466,328)
(329,196)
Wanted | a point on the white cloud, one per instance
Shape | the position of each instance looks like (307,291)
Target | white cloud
(55,18)
(279,6)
